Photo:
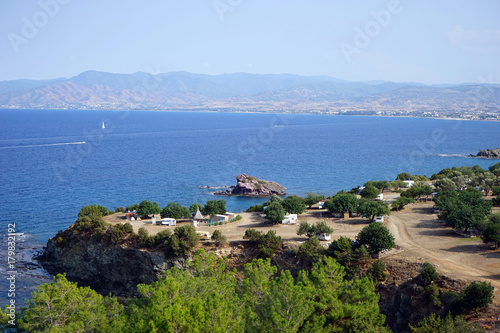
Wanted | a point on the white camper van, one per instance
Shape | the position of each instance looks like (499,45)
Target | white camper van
(167,221)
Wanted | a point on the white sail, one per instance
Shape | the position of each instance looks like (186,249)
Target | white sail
(103,127)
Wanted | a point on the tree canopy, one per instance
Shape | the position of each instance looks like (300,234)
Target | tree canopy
(377,237)
(294,204)
(275,212)
(213,207)
(175,210)
(313,198)
(147,208)
(341,203)
(371,209)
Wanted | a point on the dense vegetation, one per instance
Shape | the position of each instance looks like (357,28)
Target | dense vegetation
(334,293)
(208,297)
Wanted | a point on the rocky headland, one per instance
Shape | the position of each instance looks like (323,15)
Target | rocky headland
(488,153)
(254,187)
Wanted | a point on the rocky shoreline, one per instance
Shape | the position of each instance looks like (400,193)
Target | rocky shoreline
(488,153)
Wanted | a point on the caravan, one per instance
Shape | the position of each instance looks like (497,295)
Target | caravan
(167,221)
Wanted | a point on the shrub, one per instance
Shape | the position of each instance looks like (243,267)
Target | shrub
(477,295)
(269,244)
(377,271)
(311,250)
(449,324)
(255,208)
(184,239)
(163,237)
(218,238)
(432,292)
(237,218)
(427,274)
(252,235)
(120,210)
(144,239)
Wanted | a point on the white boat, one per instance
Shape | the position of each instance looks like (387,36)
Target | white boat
(103,127)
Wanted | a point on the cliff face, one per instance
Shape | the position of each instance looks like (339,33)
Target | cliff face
(488,153)
(105,267)
(255,187)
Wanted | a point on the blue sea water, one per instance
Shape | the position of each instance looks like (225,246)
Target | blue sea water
(53,162)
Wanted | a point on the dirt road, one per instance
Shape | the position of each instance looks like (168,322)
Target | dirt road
(425,238)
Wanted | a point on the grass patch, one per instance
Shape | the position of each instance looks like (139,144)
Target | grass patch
(469,239)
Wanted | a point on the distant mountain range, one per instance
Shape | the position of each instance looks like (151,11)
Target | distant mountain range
(243,92)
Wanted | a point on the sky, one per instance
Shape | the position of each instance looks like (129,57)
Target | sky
(433,42)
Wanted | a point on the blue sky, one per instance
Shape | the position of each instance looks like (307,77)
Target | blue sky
(399,40)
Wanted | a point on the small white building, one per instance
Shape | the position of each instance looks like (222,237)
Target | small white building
(409,183)
(380,197)
(220,218)
(290,219)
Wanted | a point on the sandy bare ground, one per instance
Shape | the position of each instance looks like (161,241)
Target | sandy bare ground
(416,229)
(425,238)
(234,231)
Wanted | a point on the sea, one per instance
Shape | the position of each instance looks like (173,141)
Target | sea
(53,162)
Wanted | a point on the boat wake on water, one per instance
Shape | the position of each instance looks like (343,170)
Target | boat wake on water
(453,155)
(46,145)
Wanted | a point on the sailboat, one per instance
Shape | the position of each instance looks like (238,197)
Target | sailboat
(103,127)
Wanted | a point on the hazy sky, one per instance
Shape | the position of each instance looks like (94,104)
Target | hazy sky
(445,41)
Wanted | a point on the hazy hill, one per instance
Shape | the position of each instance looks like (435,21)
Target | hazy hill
(246,92)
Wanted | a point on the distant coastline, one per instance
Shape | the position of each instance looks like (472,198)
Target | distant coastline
(353,113)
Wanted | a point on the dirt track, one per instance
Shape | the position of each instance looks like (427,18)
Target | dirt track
(416,229)
(425,238)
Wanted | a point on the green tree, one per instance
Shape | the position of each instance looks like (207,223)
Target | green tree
(204,301)
(467,211)
(377,271)
(491,230)
(445,185)
(477,295)
(91,211)
(340,306)
(377,237)
(213,207)
(194,208)
(147,208)
(275,212)
(404,176)
(369,192)
(252,235)
(143,238)
(269,243)
(401,202)
(342,203)
(184,239)
(397,184)
(273,304)
(218,238)
(313,198)
(311,250)
(427,274)
(434,324)
(371,209)
(175,210)
(294,204)
(314,230)
(62,306)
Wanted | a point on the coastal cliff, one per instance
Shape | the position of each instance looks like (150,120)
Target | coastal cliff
(488,153)
(254,187)
(104,266)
